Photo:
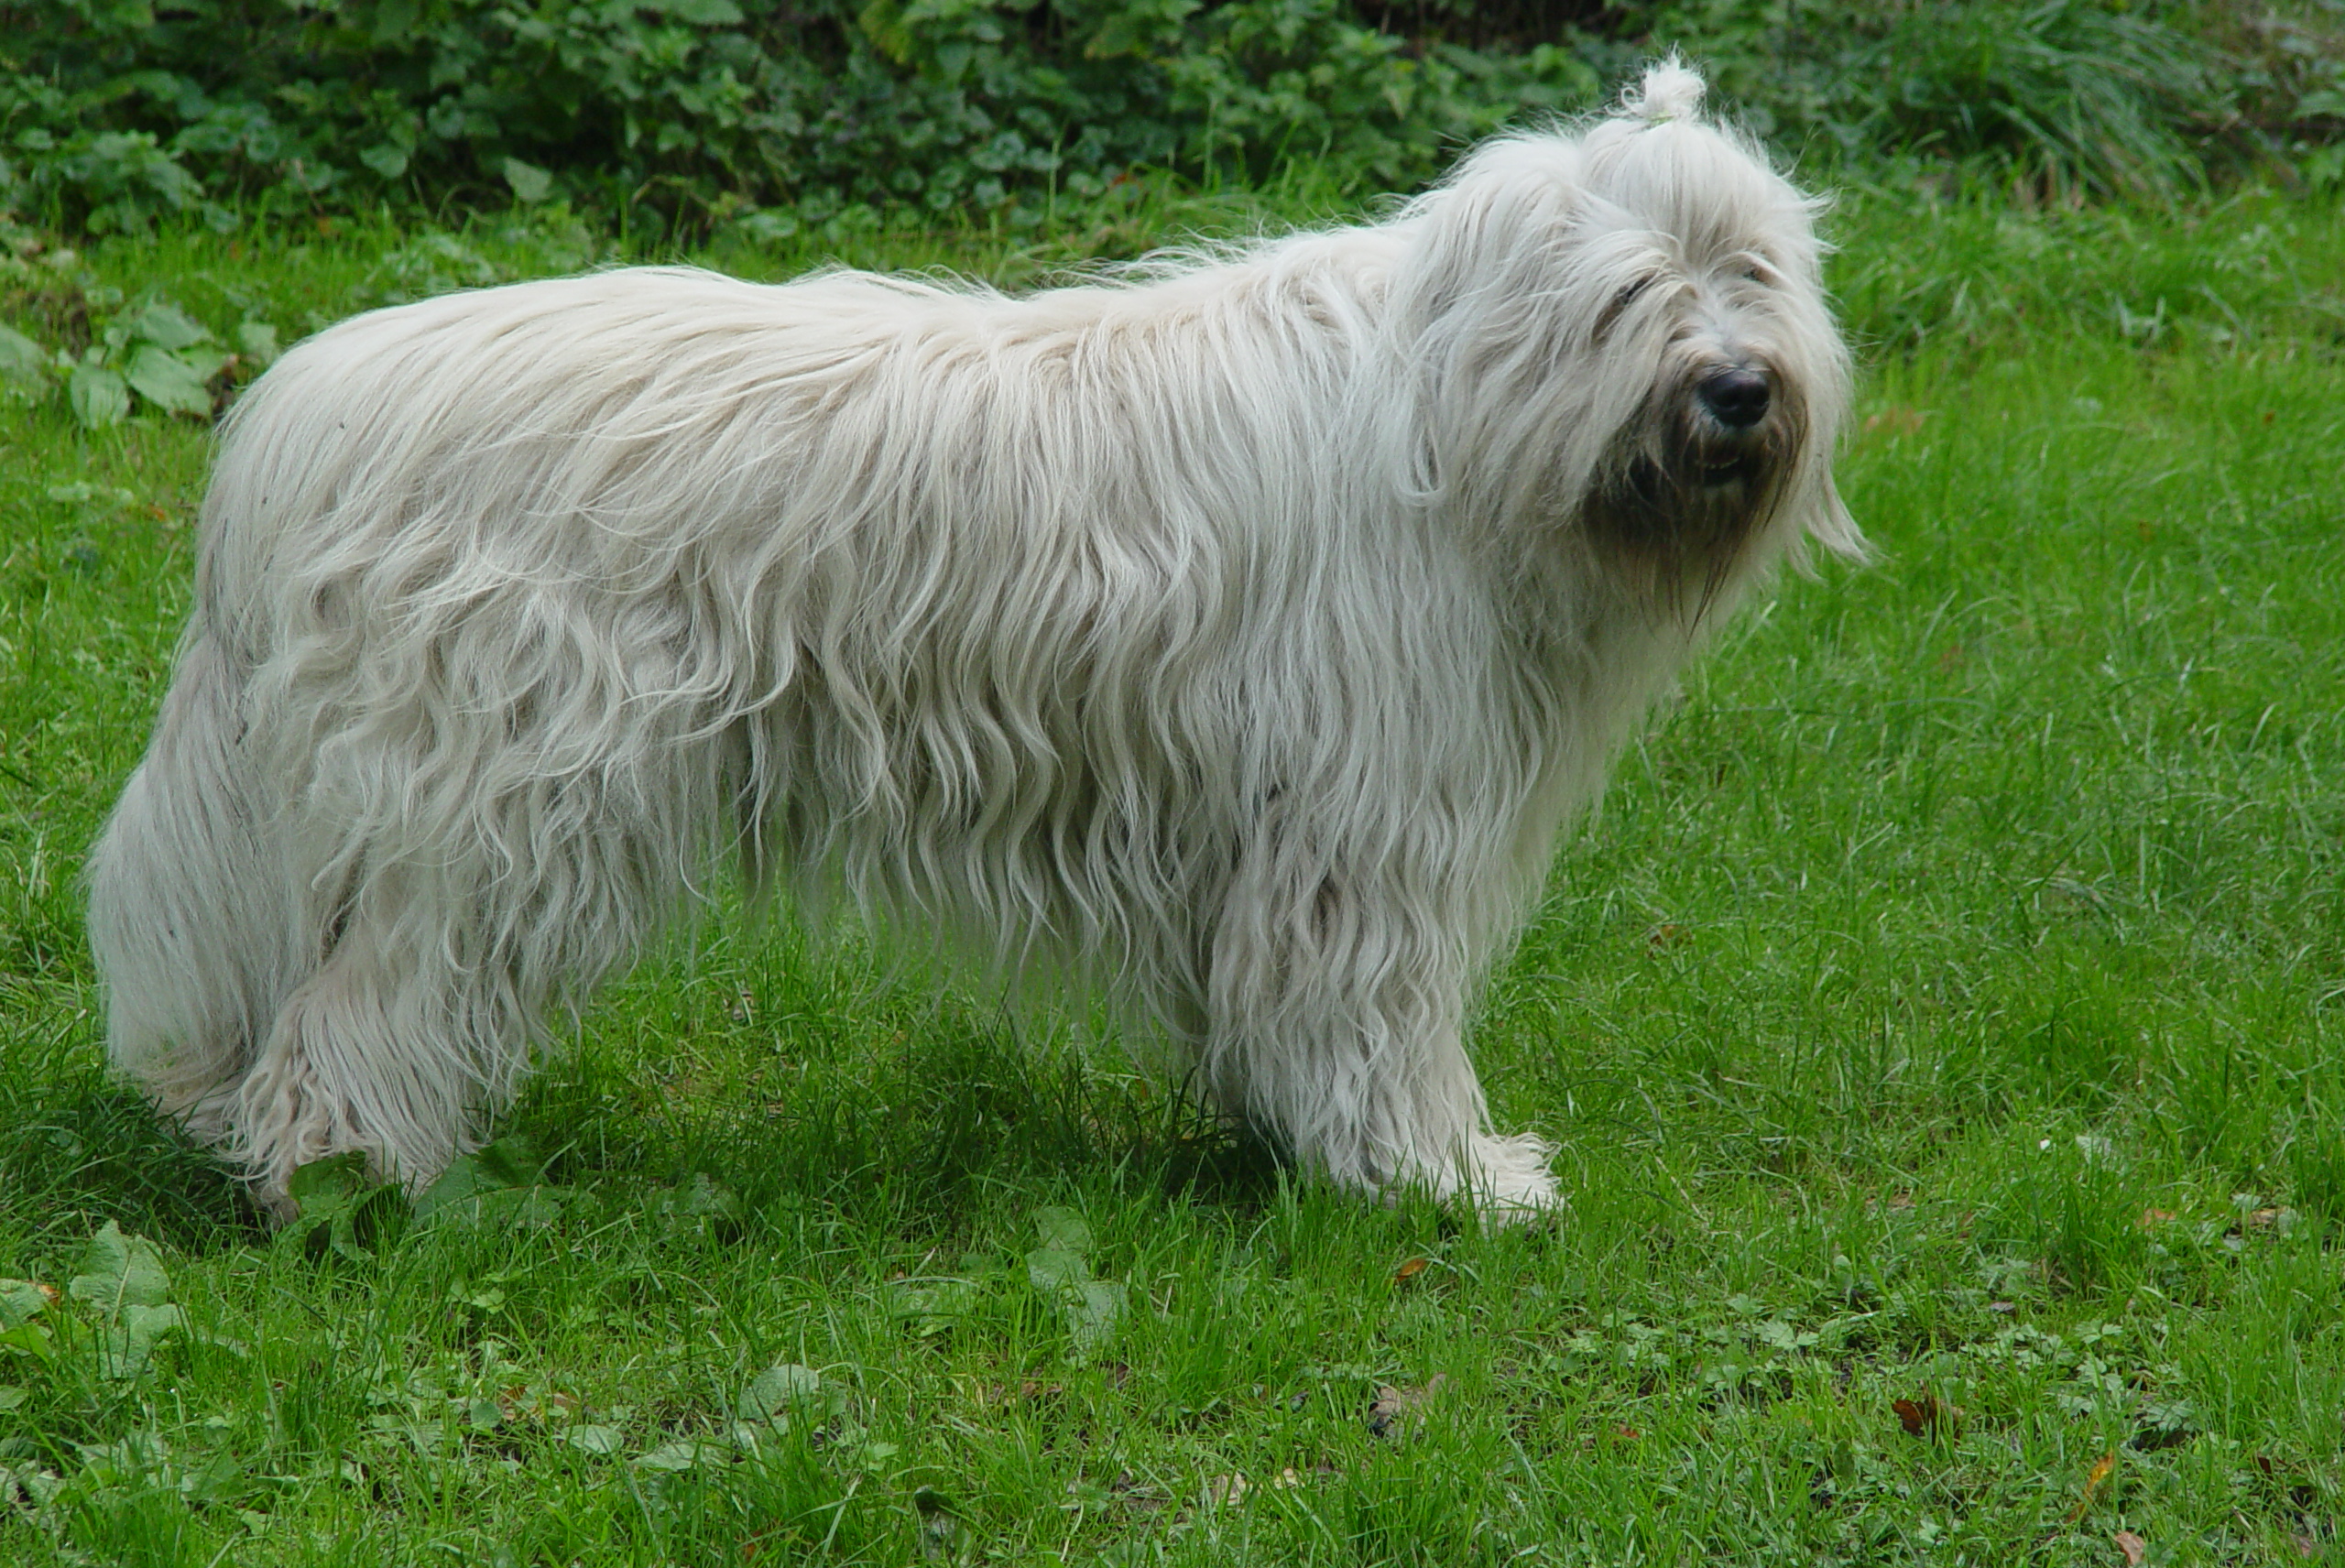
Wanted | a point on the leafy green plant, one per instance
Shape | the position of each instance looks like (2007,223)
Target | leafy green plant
(159,353)
(24,1327)
(124,1295)
(23,365)
(125,1287)
(1060,1271)
(115,114)
(155,357)
(694,113)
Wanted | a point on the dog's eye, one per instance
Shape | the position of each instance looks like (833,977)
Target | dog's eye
(1621,299)
(1626,297)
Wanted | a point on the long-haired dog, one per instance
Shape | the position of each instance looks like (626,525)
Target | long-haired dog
(1239,632)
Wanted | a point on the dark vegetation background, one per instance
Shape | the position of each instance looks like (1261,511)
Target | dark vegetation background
(676,118)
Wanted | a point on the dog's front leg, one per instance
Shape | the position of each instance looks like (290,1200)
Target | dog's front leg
(1337,1029)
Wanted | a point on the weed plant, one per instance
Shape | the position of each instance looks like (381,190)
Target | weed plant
(1939,1023)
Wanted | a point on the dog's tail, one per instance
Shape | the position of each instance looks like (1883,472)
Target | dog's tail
(187,920)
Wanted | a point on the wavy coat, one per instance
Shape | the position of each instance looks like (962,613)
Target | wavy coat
(1239,632)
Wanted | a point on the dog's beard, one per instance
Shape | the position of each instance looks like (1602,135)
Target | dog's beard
(1681,494)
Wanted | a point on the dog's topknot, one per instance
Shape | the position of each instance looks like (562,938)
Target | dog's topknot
(1671,91)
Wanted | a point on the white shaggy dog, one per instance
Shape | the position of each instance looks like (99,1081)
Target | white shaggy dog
(1239,632)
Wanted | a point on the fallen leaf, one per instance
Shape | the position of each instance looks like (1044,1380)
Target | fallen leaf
(1222,1491)
(1289,1476)
(1897,420)
(1409,1271)
(1927,1416)
(2134,1548)
(2152,1218)
(1666,936)
(2103,1468)
(2305,1544)
(1394,1405)
(1618,1432)
(2275,1221)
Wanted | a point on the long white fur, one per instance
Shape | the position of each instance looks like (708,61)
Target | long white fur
(1238,631)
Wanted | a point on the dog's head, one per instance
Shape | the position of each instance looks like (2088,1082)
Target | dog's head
(1624,337)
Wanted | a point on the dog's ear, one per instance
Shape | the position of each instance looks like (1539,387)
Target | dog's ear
(1483,311)
(1493,232)
(1832,526)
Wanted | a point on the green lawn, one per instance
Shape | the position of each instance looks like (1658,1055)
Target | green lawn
(1943,1025)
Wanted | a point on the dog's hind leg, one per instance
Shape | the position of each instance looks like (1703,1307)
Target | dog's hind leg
(451,920)
(375,1053)
(265,1005)
(187,915)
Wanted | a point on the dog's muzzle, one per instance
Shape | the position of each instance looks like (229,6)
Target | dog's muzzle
(1691,484)
(1736,399)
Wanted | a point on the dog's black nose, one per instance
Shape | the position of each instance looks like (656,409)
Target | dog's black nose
(1736,399)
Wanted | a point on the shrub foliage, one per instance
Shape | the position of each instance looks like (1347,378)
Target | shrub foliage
(119,110)
(113,112)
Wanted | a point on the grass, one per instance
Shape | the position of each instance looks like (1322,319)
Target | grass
(1941,1024)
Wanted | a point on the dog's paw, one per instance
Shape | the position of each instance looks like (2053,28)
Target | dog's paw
(1504,1180)
(1507,1179)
